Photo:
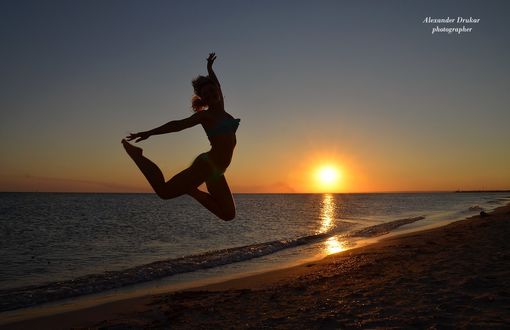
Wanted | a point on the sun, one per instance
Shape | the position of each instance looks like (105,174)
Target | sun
(327,177)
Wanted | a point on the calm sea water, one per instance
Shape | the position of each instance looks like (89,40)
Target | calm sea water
(53,240)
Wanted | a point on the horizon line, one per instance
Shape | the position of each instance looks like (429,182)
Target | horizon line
(276,193)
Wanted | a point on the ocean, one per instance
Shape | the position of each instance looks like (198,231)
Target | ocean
(61,245)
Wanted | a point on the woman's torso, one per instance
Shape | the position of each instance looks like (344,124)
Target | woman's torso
(222,137)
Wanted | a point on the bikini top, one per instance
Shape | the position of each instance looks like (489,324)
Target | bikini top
(227,125)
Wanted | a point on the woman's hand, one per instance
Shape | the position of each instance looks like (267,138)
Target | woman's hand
(140,136)
(211,58)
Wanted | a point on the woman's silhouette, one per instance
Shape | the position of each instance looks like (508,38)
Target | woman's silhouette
(208,167)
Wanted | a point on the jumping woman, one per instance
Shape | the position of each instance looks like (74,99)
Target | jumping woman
(208,167)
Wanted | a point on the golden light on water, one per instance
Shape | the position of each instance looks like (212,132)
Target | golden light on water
(327,213)
(332,244)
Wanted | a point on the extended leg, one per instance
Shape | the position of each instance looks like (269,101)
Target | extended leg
(150,170)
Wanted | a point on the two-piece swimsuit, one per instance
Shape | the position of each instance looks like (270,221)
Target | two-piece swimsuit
(226,126)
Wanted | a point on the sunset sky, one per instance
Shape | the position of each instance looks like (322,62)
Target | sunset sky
(361,86)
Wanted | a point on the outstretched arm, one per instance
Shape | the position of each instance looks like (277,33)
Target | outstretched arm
(212,75)
(171,126)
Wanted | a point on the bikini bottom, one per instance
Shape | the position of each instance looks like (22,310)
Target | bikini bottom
(216,172)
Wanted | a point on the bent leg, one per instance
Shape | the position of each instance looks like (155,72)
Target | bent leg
(221,194)
(207,201)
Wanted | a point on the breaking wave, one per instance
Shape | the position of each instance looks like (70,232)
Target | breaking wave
(36,294)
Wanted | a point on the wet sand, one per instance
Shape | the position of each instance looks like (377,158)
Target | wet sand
(452,276)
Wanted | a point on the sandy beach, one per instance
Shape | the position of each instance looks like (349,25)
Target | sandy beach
(452,276)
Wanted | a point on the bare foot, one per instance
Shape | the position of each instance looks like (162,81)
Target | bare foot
(133,152)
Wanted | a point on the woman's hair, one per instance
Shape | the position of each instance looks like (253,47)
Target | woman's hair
(196,100)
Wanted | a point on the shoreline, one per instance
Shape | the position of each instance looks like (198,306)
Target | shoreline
(158,310)
(141,280)
(363,237)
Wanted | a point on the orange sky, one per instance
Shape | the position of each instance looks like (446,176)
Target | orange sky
(310,85)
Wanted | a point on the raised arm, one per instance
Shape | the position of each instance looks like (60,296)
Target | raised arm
(212,75)
(171,126)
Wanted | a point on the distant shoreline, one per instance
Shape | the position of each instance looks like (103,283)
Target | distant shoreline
(480,191)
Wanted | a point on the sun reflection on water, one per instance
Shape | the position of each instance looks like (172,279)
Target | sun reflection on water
(327,213)
(332,244)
